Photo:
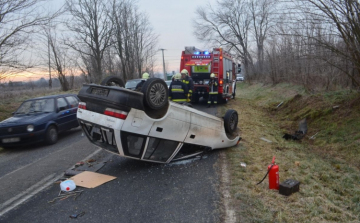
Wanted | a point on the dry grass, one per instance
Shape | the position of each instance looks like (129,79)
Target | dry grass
(326,166)
(11,100)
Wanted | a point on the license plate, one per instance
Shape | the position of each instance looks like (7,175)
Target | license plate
(100,91)
(9,140)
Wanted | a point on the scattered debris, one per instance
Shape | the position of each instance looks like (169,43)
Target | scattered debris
(68,185)
(297,163)
(313,137)
(77,215)
(79,164)
(279,104)
(298,134)
(243,164)
(266,140)
(64,195)
(72,172)
(90,160)
(91,179)
(336,107)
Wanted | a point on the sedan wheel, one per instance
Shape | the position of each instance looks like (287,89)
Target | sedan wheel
(231,121)
(155,93)
(51,135)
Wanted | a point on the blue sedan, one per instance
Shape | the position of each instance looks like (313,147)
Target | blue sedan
(40,119)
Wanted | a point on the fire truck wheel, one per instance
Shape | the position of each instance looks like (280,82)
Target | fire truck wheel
(155,93)
(113,81)
(230,121)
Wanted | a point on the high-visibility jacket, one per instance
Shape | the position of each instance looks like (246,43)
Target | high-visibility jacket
(178,91)
(189,83)
(213,89)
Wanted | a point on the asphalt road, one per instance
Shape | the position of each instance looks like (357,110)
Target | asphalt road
(183,191)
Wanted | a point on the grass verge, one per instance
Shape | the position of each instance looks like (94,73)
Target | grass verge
(326,165)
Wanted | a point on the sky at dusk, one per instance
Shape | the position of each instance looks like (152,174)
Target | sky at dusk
(172,20)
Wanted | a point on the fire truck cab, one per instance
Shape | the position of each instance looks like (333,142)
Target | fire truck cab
(201,63)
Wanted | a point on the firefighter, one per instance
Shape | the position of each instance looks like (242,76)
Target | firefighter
(178,90)
(189,83)
(213,90)
(145,76)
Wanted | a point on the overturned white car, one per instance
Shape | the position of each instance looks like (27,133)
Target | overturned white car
(146,126)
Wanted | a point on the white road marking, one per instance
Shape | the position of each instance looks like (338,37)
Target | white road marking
(34,189)
(27,194)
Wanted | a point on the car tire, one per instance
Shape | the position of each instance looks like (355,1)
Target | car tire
(231,121)
(113,81)
(156,93)
(51,135)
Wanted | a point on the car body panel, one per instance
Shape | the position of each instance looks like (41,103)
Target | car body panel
(180,124)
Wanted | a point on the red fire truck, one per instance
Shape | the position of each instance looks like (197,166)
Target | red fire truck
(201,63)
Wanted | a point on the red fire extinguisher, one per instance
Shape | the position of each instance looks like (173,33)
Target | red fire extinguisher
(273,175)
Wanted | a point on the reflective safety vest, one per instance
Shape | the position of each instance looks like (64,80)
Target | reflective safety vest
(213,86)
(189,83)
(178,91)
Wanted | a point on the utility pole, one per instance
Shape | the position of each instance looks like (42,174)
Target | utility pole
(165,77)
(50,80)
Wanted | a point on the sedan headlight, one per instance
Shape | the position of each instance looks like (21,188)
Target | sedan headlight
(30,128)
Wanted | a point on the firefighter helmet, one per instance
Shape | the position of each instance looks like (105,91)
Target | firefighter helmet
(177,76)
(184,71)
(145,76)
(212,75)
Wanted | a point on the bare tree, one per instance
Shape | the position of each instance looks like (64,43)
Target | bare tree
(92,31)
(135,41)
(263,19)
(58,56)
(18,20)
(227,25)
(341,20)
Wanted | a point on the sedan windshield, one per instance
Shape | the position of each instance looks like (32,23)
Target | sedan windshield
(34,106)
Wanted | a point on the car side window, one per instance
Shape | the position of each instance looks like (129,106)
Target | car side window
(61,104)
(72,101)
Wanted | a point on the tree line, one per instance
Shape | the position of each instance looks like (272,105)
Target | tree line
(315,43)
(96,37)
(310,42)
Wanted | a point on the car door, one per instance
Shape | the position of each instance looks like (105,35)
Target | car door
(63,114)
(73,102)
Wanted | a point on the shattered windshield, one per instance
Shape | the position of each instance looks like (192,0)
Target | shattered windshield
(36,106)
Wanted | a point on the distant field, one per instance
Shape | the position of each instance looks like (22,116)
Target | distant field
(10,99)
(325,161)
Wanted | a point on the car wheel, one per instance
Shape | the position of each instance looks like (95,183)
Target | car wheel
(113,81)
(231,121)
(51,135)
(156,93)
